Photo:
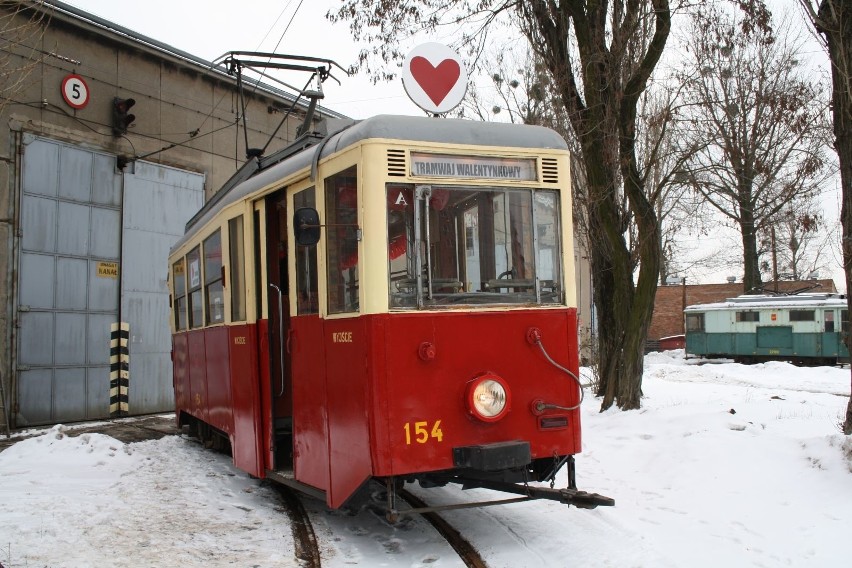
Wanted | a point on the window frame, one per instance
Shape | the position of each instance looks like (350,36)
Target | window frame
(214,281)
(305,282)
(194,255)
(342,243)
(180,296)
(700,317)
(802,315)
(472,277)
(748,316)
(237,268)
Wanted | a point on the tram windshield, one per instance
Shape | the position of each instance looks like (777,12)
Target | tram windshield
(452,245)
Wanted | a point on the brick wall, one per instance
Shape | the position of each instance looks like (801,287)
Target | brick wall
(671,300)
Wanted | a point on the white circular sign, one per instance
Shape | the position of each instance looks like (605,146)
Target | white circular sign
(434,77)
(75,91)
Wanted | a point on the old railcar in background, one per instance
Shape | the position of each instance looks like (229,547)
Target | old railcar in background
(802,328)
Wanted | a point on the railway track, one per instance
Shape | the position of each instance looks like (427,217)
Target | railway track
(463,548)
(307,548)
(304,539)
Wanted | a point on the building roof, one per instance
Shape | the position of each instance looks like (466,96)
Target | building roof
(772,301)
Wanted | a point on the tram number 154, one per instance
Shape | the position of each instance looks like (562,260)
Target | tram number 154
(422,432)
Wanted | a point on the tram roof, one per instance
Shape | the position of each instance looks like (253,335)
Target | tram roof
(450,131)
(391,127)
(769,302)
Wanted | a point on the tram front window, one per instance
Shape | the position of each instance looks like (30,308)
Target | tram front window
(450,246)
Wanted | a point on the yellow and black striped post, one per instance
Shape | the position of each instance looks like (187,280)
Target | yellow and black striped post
(119,369)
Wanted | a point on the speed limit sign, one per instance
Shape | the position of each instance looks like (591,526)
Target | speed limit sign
(75,91)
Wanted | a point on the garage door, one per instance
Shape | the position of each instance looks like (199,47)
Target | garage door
(73,254)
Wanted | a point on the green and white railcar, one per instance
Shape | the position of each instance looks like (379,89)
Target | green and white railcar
(802,328)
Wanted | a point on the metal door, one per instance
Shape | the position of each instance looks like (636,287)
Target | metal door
(158,201)
(86,263)
(68,289)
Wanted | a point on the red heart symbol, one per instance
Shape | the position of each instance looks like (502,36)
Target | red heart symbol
(435,81)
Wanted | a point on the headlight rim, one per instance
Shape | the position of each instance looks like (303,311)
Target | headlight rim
(471,388)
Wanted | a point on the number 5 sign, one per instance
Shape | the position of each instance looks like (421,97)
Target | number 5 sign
(75,91)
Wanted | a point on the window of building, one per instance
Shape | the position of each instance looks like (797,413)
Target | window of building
(237,272)
(695,322)
(196,307)
(179,286)
(802,315)
(306,262)
(342,234)
(748,316)
(213,279)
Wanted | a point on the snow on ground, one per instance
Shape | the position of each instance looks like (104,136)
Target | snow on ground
(94,501)
(724,465)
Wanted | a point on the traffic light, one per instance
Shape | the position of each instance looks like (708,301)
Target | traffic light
(120,117)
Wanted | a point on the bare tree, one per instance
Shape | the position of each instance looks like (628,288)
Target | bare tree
(21,29)
(795,242)
(832,19)
(599,56)
(678,207)
(754,132)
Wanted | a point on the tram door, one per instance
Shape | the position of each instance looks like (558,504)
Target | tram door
(277,294)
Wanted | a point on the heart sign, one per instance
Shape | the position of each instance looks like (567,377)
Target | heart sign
(434,77)
(435,81)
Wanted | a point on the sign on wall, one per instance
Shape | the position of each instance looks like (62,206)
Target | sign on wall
(75,91)
(434,77)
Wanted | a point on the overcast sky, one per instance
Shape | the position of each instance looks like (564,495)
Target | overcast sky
(209,29)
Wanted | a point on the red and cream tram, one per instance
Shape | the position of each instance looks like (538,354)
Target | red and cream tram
(395,302)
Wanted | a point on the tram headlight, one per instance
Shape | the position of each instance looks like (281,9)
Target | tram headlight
(488,397)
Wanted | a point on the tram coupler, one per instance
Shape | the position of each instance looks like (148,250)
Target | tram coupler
(568,496)
(585,500)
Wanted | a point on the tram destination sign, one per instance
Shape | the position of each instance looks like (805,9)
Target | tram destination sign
(476,167)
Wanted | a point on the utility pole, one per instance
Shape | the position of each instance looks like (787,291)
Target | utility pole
(774,259)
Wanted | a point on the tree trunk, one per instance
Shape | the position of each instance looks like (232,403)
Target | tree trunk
(836,25)
(751,268)
(604,120)
(843,143)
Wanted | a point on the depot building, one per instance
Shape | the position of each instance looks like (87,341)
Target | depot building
(109,142)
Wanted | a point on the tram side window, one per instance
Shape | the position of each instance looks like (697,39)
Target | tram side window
(549,246)
(844,321)
(179,279)
(748,316)
(695,322)
(196,309)
(213,285)
(306,262)
(236,249)
(341,212)
(802,315)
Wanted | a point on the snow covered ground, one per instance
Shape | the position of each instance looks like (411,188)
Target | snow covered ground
(724,465)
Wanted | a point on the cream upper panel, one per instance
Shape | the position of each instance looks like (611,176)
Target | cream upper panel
(386,162)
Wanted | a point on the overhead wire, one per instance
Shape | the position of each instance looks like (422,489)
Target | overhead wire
(280,39)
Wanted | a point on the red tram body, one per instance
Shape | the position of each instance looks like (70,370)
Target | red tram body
(429,335)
